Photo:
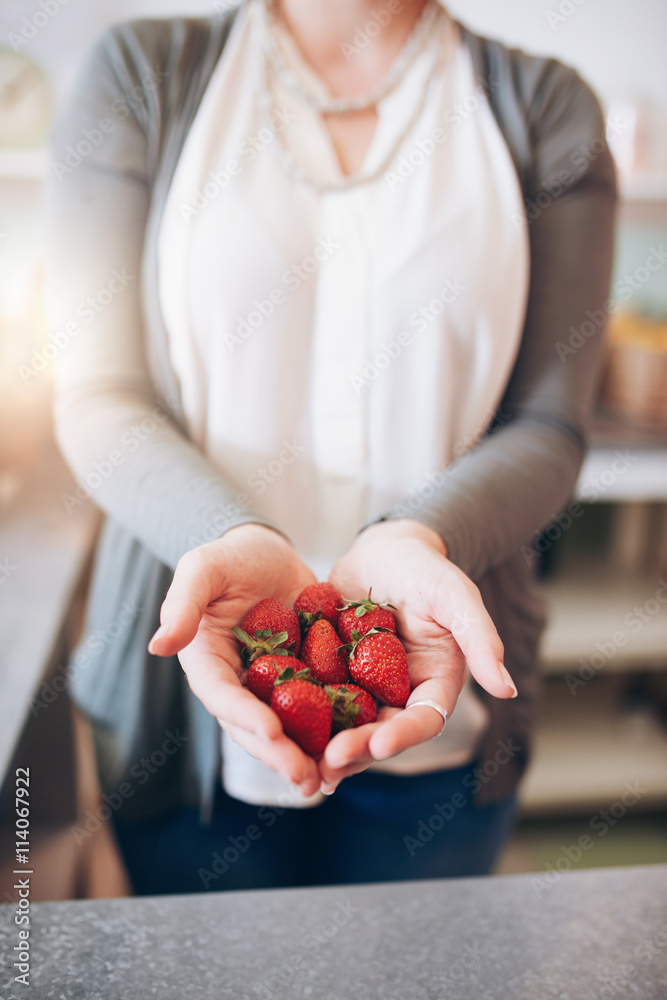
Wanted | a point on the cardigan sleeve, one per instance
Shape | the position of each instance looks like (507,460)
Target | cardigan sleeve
(495,498)
(123,444)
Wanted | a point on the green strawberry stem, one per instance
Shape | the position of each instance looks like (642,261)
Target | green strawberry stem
(361,607)
(289,674)
(343,706)
(307,618)
(350,647)
(263,644)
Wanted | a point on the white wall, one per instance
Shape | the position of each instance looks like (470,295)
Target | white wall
(59,45)
(620,46)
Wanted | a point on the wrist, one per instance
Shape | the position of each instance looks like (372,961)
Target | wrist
(406,528)
(255,530)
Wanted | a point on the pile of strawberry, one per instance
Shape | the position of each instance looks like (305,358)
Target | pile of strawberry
(325,665)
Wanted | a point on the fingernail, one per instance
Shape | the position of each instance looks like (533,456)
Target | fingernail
(504,673)
(327,789)
(161,632)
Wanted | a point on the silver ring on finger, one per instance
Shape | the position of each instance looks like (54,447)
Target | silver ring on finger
(432,704)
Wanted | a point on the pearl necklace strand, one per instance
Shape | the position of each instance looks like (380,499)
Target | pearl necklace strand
(347,105)
(274,64)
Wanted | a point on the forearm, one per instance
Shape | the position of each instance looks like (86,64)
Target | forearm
(128,455)
(493,500)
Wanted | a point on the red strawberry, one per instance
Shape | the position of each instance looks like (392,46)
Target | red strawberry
(264,672)
(321,651)
(318,600)
(305,712)
(362,616)
(378,663)
(267,621)
(352,706)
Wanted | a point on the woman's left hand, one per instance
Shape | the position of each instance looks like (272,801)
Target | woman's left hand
(442,622)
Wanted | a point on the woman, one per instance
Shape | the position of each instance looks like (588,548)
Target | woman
(346,240)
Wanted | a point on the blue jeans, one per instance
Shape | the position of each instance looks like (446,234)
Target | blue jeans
(374,828)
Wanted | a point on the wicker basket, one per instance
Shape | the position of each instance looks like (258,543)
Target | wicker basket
(635,378)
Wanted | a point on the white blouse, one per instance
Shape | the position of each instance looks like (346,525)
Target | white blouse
(337,349)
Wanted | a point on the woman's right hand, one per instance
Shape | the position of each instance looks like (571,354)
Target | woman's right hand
(214,587)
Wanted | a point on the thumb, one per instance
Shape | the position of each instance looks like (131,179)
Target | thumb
(463,613)
(197,582)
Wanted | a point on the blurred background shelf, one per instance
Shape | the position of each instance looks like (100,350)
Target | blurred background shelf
(645,476)
(589,745)
(644,480)
(588,605)
(603,724)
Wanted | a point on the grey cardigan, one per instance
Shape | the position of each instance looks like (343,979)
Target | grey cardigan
(120,423)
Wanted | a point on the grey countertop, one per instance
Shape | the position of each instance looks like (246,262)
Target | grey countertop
(599,933)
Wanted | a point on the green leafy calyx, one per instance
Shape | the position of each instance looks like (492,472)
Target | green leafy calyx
(262,643)
(343,706)
(361,607)
(289,674)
